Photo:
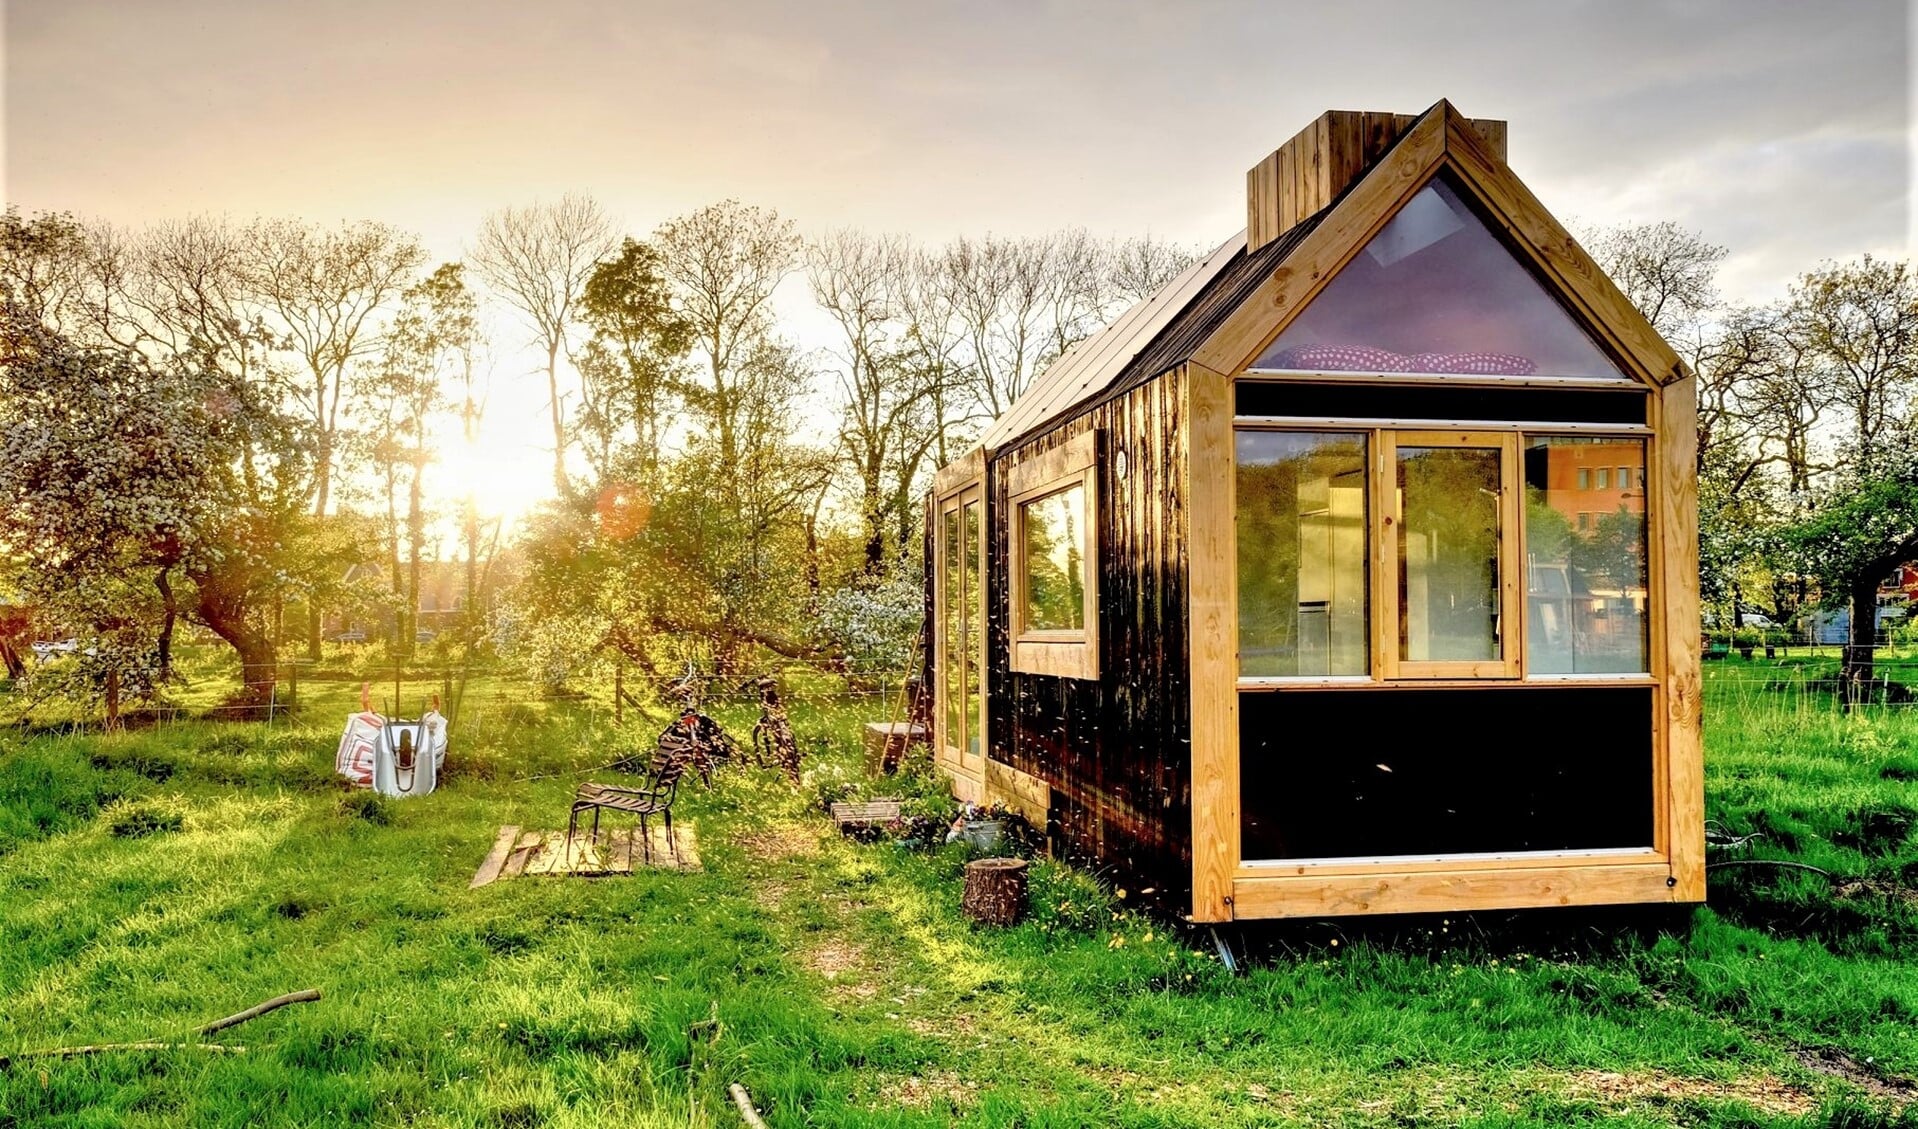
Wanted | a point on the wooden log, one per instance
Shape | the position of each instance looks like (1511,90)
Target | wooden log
(744,1102)
(995,891)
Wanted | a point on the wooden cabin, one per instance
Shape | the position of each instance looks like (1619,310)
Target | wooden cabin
(1353,572)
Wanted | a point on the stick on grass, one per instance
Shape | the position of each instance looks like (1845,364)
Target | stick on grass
(745,1103)
(305,995)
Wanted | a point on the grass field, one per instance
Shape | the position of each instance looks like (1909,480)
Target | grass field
(157,879)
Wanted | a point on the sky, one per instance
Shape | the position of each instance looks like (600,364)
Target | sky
(1780,130)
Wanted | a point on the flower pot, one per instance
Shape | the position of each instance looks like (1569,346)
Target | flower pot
(1746,652)
(984,835)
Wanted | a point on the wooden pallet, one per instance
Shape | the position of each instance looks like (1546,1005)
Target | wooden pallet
(518,854)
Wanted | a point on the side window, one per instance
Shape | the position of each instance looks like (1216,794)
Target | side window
(1054,565)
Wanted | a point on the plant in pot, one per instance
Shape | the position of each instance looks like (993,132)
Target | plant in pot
(1746,639)
(983,828)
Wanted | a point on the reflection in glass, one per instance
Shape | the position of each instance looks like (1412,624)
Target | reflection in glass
(1055,560)
(1448,554)
(1585,556)
(1436,291)
(953,632)
(1302,547)
(975,638)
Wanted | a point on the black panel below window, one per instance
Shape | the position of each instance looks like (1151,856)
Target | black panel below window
(1438,402)
(1356,773)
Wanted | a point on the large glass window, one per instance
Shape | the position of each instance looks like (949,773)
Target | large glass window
(1435,291)
(1055,589)
(1585,563)
(1302,536)
(1448,553)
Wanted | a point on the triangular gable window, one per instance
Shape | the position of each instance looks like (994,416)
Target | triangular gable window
(1435,291)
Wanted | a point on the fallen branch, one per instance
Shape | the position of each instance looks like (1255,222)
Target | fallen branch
(745,1103)
(97,1048)
(306,995)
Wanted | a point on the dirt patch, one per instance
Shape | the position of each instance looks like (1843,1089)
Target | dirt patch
(1866,1076)
(776,844)
(843,965)
(1760,1092)
(925,1092)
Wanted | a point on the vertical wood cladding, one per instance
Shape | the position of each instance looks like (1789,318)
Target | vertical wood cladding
(1116,751)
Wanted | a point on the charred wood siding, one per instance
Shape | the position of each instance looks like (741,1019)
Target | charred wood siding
(1116,751)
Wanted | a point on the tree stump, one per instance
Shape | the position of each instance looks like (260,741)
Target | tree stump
(995,891)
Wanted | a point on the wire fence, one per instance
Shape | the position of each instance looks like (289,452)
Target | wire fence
(300,692)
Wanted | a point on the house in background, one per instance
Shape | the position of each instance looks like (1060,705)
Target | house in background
(1353,572)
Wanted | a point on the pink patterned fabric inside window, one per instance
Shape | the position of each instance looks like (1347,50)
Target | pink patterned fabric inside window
(1435,291)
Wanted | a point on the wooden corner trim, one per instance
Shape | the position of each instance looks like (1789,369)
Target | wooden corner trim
(1212,611)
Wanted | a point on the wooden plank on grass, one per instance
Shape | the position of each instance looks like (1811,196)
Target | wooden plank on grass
(582,856)
(522,854)
(550,854)
(496,858)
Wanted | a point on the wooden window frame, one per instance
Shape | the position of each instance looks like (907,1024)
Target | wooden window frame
(954,488)
(1060,654)
(1383,438)
(1385,583)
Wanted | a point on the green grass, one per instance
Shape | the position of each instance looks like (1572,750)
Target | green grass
(156,879)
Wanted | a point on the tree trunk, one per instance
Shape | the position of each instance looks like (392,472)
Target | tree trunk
(170,613)
(1855,675)
(222,607)
(415,533)
(559,422)
(995,891)
(113,701)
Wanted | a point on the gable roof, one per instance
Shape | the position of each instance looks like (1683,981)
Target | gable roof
(1224,309)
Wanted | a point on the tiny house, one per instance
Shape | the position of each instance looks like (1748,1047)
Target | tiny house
(1355,571)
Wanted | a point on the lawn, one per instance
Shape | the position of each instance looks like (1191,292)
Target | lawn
(154,880)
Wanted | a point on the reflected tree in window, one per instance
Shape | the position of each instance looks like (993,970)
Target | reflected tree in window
(1586,576)
(1055,561)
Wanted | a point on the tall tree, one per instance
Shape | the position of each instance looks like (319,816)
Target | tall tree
(325,289)
(859,281)
(538,258)
(428,349)
(630,369)
(103,463)
(724,262)
(1858,323)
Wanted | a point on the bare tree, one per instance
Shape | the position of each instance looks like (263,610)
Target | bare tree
(1140,267)
(324,290)
(859,280)
(1668,272)
(539,258)
(724,261)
